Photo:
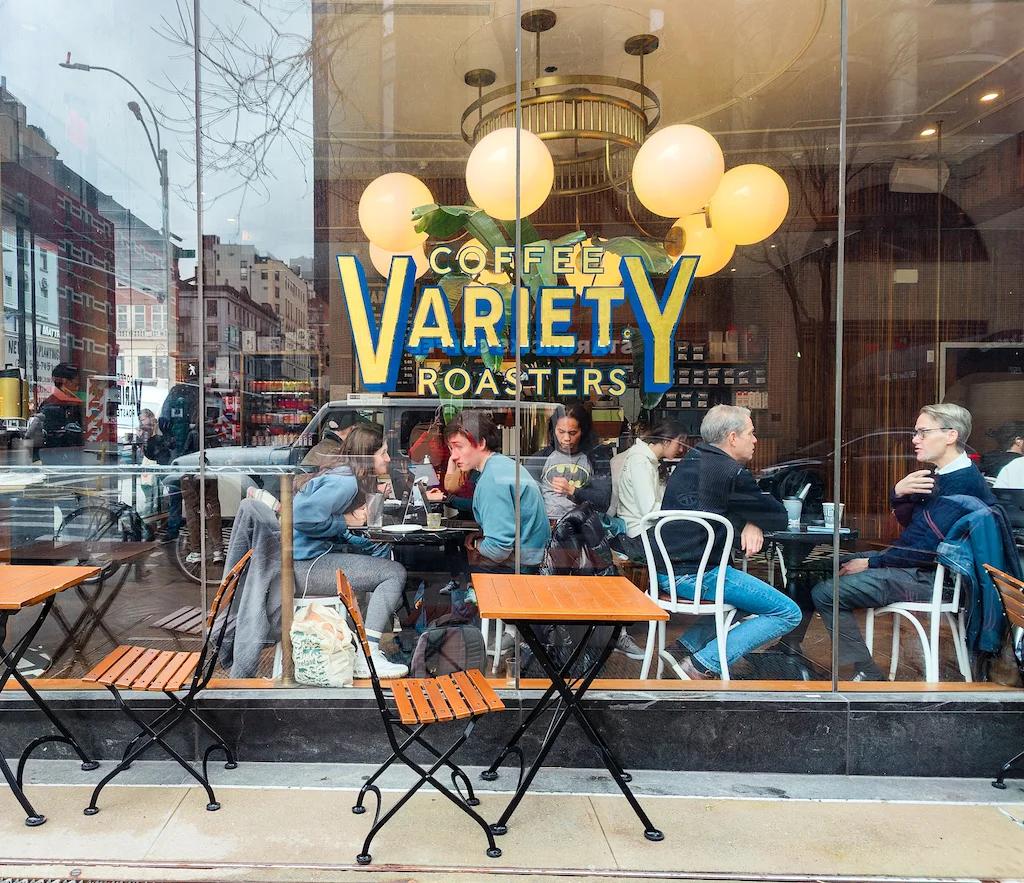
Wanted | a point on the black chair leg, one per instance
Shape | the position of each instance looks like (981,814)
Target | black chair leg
(1009,766)
(153,737)
(364,857)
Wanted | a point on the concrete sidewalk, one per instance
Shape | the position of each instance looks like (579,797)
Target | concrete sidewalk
(294,822)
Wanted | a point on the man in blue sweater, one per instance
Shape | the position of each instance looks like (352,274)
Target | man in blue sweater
(474,440)
(906,570)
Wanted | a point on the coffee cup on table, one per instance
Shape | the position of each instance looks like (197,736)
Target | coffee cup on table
(832,511)
(794,508)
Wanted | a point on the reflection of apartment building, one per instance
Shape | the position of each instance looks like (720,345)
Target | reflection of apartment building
(318,310)
(142,336)
(58,257)
(232,322)
(267,281)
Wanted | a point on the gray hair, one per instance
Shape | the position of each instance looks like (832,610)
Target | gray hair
(953,417)
(720,421)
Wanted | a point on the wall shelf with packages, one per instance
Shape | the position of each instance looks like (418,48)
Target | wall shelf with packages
(276,409)
(731,368)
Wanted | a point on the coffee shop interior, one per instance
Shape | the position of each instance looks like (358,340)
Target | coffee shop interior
(855,197)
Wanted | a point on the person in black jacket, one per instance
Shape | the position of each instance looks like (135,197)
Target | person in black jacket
(906,570)
(1009,439)
(574,468)
(713,478)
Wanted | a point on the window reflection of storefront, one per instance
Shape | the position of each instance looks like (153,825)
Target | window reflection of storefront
(932,251)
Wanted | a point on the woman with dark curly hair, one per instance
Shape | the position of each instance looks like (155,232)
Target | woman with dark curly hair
(574,468)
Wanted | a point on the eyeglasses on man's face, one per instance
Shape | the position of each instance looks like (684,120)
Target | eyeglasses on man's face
(922,433)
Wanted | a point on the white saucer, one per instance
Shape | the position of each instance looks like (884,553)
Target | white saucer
(401,528)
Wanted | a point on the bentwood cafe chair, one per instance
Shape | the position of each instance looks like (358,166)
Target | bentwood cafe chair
(1011,591)
(417,704)
(166,671)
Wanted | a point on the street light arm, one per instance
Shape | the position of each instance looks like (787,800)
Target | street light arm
(134,108)
(78,66)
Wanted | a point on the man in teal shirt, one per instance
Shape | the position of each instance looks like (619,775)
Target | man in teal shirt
(474,441)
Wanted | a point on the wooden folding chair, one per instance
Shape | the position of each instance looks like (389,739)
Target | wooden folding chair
(419,703)
(1011,590)
(168,672)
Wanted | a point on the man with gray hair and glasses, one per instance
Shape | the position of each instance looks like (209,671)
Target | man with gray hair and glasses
(713,477)
(920,501)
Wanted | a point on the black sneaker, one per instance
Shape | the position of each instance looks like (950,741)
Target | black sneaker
(169,538)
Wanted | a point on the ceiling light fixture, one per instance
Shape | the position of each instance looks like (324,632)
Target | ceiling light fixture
(593,124)
(989,96)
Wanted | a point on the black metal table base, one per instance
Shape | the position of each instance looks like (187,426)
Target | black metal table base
(572,706)
(9,668)
(91,617)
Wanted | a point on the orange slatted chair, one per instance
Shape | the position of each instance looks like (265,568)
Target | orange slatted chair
(417,703)
(168,672)
(1011,590)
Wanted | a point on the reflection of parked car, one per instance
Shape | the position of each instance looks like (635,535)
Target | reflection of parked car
(402,420)
(869,465)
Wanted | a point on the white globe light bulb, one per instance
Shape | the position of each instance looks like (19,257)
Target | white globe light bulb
(491,173)
(385,211)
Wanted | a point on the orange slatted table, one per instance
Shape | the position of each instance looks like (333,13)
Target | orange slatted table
(531,602)
(23,586)
(98,597)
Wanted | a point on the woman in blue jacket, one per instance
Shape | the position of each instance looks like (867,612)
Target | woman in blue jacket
(324,508)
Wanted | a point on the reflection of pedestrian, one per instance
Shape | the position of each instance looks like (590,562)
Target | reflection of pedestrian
(63,415)
(180,422)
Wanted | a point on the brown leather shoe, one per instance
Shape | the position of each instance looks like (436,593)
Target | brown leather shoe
(678,659)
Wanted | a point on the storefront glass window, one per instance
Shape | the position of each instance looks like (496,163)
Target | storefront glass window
(337,319)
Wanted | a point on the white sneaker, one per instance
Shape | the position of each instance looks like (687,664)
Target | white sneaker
(193,558)
(385,669)
(627,646)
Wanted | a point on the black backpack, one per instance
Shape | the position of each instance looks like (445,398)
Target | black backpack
(579,546)
(448,644)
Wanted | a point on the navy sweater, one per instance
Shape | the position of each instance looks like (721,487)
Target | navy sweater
(709,480)
(927,518)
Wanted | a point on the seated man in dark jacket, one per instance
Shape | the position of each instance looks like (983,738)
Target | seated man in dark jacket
(922,505)
(713,478)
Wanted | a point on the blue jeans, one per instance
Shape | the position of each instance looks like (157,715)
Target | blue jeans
(776,615)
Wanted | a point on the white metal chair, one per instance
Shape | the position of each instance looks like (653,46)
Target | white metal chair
(936,608)
(667,599)
(495,651)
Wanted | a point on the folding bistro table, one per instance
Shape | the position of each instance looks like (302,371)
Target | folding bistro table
(21,587)
(531,602)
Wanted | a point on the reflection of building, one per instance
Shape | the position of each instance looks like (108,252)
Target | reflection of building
(232,322)
(318,310)
(141,335)
(267,281)
(58,262)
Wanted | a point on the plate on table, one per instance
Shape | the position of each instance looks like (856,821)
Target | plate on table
(400,528)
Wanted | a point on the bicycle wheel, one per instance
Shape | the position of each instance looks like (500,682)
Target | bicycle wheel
(193,569)
(88,526)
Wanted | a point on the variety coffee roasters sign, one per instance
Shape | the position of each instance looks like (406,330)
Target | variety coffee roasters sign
(486,327)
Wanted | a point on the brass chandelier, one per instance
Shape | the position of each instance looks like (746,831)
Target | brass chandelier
(592,124)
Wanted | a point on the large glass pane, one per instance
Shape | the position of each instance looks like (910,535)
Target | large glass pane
(98,223)
(932,314)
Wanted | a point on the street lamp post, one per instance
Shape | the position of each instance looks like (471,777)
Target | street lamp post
(160,156)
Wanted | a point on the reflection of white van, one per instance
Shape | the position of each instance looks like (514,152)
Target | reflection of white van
(401,419)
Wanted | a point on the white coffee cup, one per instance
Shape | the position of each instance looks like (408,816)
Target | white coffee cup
(830,511)
(794,508)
